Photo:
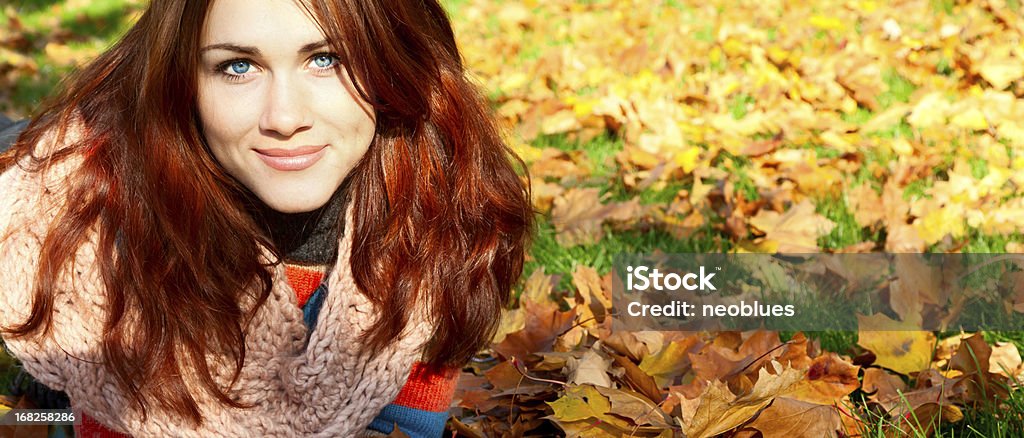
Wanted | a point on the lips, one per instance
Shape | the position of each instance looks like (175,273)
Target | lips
(291,159)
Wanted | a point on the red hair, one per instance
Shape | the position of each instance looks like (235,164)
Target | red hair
(440,212)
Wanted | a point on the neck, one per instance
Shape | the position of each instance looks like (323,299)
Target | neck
(308,238)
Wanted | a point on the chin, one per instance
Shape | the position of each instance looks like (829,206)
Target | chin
(290,204)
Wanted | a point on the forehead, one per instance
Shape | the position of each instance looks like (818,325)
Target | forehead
(264,23)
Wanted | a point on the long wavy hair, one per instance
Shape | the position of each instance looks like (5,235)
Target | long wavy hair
(441,213)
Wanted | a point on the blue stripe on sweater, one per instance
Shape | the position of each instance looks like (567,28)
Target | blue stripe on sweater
(311,310)
(414,422)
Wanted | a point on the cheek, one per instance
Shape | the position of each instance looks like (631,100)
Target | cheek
(222,121)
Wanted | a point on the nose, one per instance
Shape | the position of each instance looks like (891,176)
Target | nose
(286,108)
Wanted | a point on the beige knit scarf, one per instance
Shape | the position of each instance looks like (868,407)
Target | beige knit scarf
(321,389)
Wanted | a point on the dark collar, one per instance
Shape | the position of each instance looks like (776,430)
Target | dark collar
(309,238)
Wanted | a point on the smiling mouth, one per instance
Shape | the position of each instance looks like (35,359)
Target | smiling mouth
(291,159)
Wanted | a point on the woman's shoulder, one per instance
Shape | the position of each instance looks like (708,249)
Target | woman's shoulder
(33,188)
(32,195)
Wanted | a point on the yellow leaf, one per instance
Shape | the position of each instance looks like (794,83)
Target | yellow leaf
(827,23)
(937,223)
(514,81)
(687,160)
(528,153)
(902,351)
(930,111)
(65,56)
(512,321)
(902,147)
(972,119)
(1012,131)
(580,403)
(560,122)
(1001,71)
(668,361)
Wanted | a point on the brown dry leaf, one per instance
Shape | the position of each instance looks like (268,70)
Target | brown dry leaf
(578,215)
(796,231)
(24,430)
(828,381)
(718,410)
(538,288)
(866,205)
(788,418)
(588,428)
(593,299)
(512,320)
(544,194)
(504,376)
(591,369)
(973,359)
(542,320)
(903,238)
(572,339)
(905,300)
(635,345)
(544,323)
(923,421)
(884,387)
(796,353)
(926,280)
(638,379)
(397,432)
(636,407)
(1005,360)
(554,163)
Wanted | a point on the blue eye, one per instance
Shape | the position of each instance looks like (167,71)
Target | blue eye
(324,61)
(240,67)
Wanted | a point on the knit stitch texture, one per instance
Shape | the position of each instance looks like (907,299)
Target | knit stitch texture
(323,389)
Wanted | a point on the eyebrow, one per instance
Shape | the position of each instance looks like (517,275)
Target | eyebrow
(253,51)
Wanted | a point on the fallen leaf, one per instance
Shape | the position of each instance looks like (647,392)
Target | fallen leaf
(796,231)
(788,418)
(718,410)
(902,351)
(591,369)
(828,381)
(578,215)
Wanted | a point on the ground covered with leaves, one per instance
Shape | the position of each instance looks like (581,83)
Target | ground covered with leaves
(716,126)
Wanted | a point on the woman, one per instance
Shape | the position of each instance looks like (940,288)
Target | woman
(264,217)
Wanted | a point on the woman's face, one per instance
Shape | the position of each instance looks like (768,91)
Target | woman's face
(277,108)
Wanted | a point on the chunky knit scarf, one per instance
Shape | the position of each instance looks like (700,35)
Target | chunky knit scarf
(321,389)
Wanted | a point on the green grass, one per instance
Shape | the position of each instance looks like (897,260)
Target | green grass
(847,231)
(898,89)
(453,6)
(1005,421)
(741,105)
(599,153)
